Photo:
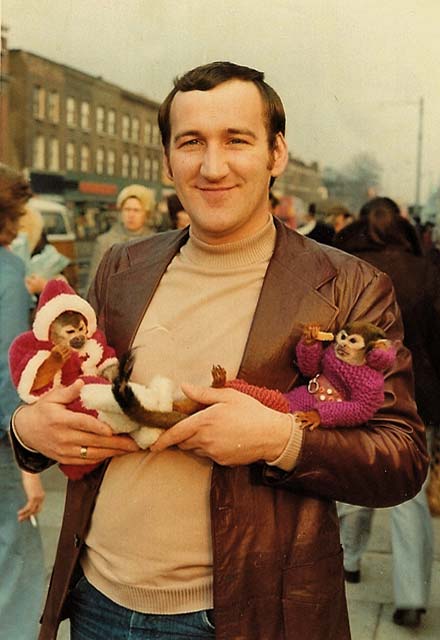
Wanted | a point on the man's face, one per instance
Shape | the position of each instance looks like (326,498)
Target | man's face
(220,161)
(133,214)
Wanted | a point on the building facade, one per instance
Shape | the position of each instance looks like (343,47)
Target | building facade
(79,137)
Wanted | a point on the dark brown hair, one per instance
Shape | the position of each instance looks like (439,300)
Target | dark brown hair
(386,226)
(211,75)
(15,191)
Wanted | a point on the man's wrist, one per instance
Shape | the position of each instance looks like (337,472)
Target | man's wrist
(286,460)
(13,428)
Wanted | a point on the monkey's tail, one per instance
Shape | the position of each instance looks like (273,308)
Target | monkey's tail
(132,406)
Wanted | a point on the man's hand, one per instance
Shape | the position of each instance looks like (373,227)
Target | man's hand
(50,428)
(34,493)
(234,430)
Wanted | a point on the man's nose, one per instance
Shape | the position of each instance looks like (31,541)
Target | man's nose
(214,165)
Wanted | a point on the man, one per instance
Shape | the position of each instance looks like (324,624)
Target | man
(229,521)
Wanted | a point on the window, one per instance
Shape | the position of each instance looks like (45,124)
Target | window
(70,156)
(155,138)
(125,165)
(85,157)
(111,122)
(100,119)
(38,152)
(54,107)
(148,127)
(135,166)
(71,112)
(100,160)
(147,169)
(54,155)
(38,103)
(155,170)
(135,130)
(111,162)
(85,115)
(125,127)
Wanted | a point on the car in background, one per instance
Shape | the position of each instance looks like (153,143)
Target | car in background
(59,228)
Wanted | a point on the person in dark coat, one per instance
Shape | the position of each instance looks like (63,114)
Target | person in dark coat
(385,239)
(314,229)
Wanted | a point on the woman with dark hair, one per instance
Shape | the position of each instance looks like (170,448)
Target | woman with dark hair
(384,238)
(21,555)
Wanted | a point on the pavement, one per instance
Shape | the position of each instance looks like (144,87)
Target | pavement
(370,602)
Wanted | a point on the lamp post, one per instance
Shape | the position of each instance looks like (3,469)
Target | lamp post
(419,156)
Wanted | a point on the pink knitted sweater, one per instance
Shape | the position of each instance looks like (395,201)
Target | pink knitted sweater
(357,391)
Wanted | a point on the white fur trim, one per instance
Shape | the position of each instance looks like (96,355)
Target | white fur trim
(109,363)
(28,375)
(57,305)
(99,397)
(94,350)
(158,396)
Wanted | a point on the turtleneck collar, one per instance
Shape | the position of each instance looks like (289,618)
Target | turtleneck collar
(252,250)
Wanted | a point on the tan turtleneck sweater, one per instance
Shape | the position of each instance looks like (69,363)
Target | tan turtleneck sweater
(149,545)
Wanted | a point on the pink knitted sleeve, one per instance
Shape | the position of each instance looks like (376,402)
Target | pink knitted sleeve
(269,397)
(309,358)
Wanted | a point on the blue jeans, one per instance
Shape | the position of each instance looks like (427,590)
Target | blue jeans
(93,616)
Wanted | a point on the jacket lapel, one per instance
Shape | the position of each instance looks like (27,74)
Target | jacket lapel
(132,287)
(289,299)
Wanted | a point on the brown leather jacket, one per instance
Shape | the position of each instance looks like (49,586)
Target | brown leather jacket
(277,557)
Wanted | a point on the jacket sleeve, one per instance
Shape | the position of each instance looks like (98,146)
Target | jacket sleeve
(380,463)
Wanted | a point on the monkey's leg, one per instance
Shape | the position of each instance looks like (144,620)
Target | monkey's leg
(188,406)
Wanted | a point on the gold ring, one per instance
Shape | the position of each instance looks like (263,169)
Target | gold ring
(83,452)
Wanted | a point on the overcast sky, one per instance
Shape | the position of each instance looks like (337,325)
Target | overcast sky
(350,72)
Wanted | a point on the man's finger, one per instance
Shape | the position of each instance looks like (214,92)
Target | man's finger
(206,395)
(175,435)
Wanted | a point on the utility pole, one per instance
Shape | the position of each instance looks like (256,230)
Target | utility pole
(419,156)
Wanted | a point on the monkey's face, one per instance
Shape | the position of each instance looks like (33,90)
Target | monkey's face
(350,348)
(69,330)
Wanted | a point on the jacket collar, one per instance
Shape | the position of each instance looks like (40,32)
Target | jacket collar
(290,297)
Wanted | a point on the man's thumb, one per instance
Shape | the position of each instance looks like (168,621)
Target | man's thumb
(64,395)
(204,395)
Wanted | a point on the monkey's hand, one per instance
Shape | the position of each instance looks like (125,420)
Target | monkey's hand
(308,419)
(50,367)
(310,333)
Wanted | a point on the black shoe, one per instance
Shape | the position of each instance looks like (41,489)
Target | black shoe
(352,576)
(408,617)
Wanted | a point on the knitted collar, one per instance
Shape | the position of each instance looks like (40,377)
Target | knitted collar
(252,250)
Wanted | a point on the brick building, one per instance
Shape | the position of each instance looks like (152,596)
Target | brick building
(78,136)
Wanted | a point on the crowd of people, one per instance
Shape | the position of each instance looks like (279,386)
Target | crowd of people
(227,527)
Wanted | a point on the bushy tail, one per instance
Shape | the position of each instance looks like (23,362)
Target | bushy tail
(130,403)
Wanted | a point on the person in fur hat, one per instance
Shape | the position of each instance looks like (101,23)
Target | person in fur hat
(135,204)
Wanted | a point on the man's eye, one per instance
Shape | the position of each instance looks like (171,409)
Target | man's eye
(190,143)
(238,141)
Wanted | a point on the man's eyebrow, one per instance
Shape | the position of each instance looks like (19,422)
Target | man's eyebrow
(184,134)
(230,130)
(242,132)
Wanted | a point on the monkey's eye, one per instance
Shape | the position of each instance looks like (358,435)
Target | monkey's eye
(342,335)
(70,331)
(356,341)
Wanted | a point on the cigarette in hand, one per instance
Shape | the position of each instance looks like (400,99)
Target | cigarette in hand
(33,520)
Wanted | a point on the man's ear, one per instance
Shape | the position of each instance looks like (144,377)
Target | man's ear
(167,166)
(280,156)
